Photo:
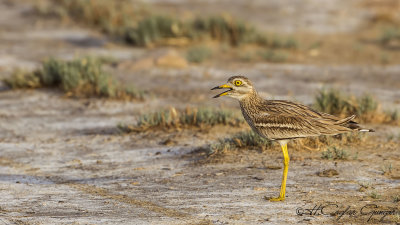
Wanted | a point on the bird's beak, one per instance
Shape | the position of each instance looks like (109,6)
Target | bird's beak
(222,87)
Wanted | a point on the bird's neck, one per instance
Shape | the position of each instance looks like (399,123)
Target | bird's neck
(252,100)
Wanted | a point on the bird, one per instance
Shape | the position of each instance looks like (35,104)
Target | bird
(282,120)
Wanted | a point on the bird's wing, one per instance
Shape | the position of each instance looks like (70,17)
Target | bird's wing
(295,109)
(283,126)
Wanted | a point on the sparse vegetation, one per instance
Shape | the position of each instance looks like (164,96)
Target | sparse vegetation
(335,153)
(172,118)
(198,54)
(136,25)
(365,107)
(333,102)
(245,140)
(79,78)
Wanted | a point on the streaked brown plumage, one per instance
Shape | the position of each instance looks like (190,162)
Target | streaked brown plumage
(283,120)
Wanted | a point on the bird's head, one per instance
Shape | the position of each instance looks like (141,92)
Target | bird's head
(238,87)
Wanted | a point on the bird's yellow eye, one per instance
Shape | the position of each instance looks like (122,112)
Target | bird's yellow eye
(238,82)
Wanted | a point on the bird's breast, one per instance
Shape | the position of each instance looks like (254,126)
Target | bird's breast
(249,115)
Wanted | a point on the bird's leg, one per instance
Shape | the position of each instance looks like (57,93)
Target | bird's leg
(285,172)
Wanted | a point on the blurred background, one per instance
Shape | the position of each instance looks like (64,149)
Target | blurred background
(291,48)
(94,88)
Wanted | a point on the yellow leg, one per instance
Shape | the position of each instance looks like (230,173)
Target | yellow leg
(286,160)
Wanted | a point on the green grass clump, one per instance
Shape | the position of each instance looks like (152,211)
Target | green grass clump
(374,195)
(365,107)
(153,29)
(335,153)
(224,29)
(333,102)
(198,54)
(171,118)
(242,140)
(80,78)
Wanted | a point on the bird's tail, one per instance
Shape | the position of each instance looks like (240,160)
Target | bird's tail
(349,123)
(345,120)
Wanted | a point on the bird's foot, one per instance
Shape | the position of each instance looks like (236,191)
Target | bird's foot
(278,199)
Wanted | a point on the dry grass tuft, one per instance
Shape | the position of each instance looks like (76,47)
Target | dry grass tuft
(190,117)
(78,78)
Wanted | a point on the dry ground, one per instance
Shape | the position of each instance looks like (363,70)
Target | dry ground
(63,160)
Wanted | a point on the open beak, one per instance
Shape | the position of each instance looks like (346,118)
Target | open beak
(222,87)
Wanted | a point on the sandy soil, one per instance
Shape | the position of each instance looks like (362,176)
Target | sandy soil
(63,160)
